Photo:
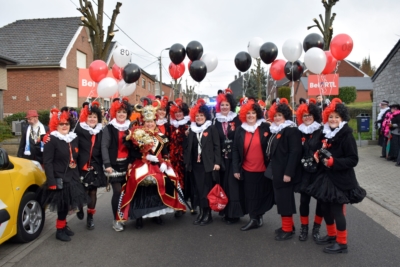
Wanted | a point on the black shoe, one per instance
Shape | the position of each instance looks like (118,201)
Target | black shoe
(89,222)
(260,221)
(284,236)
(230,221)
(139,223)
(199,217)
(397,164)
(179,213)
(252,224)
(336,248)
(158,220)
(382,156)
(279,230)
(207,218)
(315,231)
(80,214)
(68,231)
(303,232)
(61,235)
(325,240)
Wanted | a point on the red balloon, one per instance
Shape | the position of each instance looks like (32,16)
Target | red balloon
(98,70)
(117,72)
(341,46)
(277,69)
(331,63)
(190,63)
(176,71)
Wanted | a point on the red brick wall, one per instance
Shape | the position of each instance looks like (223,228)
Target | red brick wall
(363,96)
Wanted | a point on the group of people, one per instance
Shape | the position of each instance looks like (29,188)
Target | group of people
(174,154)
(387,124)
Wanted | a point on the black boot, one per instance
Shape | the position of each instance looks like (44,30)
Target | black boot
(303,232)
(89,222)
(325,240)
(158,220)
(207,217)
(80,214)
(284,235)
(279,230)
(68,231)
(61,235)
(230,221)
(199,217)
(336,248)
(252,224)
(260,221)
(139,223)
(315,231)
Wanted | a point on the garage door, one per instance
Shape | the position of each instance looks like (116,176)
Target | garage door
(72,97)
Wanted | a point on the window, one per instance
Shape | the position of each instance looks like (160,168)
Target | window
(80,60)
(106,103)
(143,83)
(137,98)
(72,97)
(149,86)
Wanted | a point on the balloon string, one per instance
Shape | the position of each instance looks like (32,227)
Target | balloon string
(337,66)
(266,91)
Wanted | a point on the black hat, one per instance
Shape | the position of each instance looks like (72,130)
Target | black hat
(385,102)
(395,105)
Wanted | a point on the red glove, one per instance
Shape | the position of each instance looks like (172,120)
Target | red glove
(52,187)
(329,163)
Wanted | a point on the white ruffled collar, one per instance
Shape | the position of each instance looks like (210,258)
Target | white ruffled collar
(221,118)
(67,138)
(119,126)
(252,128)
(310,128)
(183,121)
(329,133)
(92,131)
(277,128)
(201,128)
(161,121)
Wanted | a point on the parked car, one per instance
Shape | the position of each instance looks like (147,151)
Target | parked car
(21,214)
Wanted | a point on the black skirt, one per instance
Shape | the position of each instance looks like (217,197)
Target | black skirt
(259,193)
(93,179)
(71,197)
(120,168)
(146,200)
(394,146)
(285,202)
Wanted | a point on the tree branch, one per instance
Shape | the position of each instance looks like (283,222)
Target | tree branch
(332,19)
(110,29)
(319,26)
(322,20)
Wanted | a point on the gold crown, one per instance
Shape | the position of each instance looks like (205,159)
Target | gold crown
(149,113)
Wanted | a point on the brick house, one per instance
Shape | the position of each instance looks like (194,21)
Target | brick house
(386,79)
(4,62)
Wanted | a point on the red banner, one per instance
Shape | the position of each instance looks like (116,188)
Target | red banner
(323,84)
(87,87)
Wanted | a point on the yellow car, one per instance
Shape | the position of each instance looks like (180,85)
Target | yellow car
(21,214)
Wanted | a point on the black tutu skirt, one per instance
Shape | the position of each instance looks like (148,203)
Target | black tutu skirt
(93,179)
(146,200)
(71,197)
(324,190)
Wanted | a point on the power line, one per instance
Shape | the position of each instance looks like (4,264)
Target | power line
(150,64)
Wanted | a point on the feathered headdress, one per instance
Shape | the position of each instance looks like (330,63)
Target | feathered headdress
(57,117)
(164,102)
(337,106)
(89,108)
(149,111)
(227,96)
(119,104)
(177,106)
(200,107)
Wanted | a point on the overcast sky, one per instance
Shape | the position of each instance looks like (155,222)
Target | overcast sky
(225,27)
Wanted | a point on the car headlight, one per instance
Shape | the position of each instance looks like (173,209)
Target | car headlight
(37,164)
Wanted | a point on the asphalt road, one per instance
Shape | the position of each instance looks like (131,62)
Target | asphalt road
(180,243)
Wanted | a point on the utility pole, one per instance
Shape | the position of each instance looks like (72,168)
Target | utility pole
(159,59)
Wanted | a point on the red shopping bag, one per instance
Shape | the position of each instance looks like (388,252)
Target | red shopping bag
(217,198)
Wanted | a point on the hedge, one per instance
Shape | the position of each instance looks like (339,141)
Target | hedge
(284,91)
(44,117)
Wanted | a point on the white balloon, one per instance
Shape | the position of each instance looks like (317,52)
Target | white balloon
(211,61)
(254,47)
(315,60)
(122,56)
(292,50)
(107,87)
(121,85)
(127,89)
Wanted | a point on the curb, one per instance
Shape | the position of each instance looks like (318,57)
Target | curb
(384,205)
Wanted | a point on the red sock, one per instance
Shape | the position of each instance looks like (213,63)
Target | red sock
(304,220)
(91,211)
(287,224)
(292,223)
(318,219)
(60,224)
(331,229)
(341,237)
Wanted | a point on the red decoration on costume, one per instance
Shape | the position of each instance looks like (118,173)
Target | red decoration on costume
(278,136)
(52,187)
(176,151)
(117,105)
(331,229)
(329,163)
(54,121)
(164,102)
(60,224)
(76,150)
(177,106)
(194,110)
(303,139)
(312,101)
(265,134)
(205,134)
(201,101)
(85,111)
(329,109)
(233,127)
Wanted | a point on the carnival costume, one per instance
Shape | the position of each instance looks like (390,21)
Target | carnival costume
(336,182)
(284,151)
(59,157)
(151,187)
(163,124)
(116,154)
(90,162)
(226,127)
(311,137)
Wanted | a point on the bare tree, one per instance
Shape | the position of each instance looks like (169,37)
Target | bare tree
(327,25)
(189,94)
(94,23)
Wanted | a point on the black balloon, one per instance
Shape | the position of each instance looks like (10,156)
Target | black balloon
(268,52)
(243,61)
(177,53)
(131,73)
(294,74)
(313,40)
(194,50)
(198,70)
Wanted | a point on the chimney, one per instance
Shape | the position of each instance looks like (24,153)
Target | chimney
(240,74)
(235,77)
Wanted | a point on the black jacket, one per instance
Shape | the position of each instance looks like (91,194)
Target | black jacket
(56,158)
(345,157)
(36,153)
(224,141)
(210,152)
(238,146)
(285,155)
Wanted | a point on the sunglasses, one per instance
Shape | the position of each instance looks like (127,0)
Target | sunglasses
(63,124)
(307,115)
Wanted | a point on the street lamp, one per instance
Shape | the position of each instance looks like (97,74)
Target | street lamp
(161,70)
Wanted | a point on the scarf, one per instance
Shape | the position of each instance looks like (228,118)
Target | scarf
(380,115)
(67,138)
(92,131)
(161,121)
(199,134)
(221,118)
(274,128)
(176,123)
(120,127)
(40,132)
(329,133)
(252,128)
(310,128)
(387,121)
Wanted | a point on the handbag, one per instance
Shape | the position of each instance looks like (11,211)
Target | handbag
(216,197)
(59,180)
(309,164)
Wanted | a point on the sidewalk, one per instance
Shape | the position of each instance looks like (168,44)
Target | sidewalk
(379,177)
